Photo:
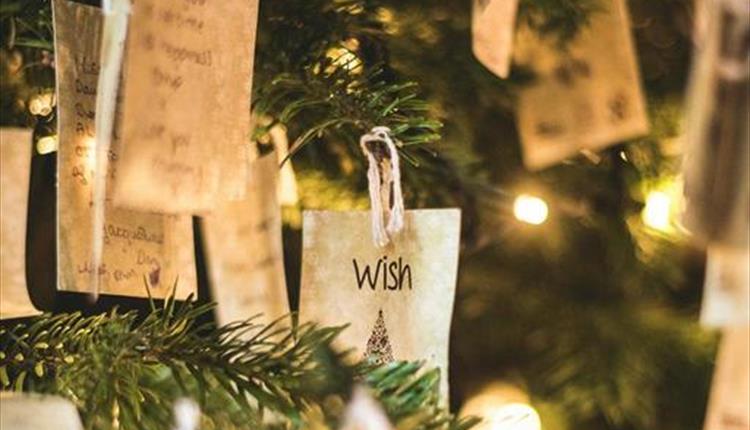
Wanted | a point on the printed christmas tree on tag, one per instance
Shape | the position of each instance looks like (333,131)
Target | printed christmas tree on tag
(493,25)
(244,250)
(397,300)
(15,170)
(137,246)
(586,97)
(185,134)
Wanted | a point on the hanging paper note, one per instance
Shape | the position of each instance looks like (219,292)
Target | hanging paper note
(398,299)
(244,250)
(185,130)
(15,169)
(22,411)
(137,246)
(586,97)
(729,403)
(726,296)
(717,177)
(493,25)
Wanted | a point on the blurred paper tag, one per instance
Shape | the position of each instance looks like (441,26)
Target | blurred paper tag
(184,127)
(726,296)
(364,413)
(244,250)
(21,411)
(288,194)
(138,246)
(493,24)
(15,170)
(586,98)
(729,403)
(398,300)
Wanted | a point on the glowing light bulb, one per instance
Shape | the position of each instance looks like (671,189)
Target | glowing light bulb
(530,209)
(656,213)
(502,407)
(46,145)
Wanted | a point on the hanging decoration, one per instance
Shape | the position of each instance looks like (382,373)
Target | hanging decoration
(197,56)
(408,285)
(717,178)
(587,96)
(15,169)
(134,245)
(493,25)
(730,388)
(20,411)
(244,250)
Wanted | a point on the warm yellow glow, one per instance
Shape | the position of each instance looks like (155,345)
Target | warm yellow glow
(514,416)
(46,145)
(502,407)
(530,209)
(657,212)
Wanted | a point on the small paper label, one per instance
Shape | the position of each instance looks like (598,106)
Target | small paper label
(15,170)
(493,25)
(185,129)
(245,254)
(588,97)
(730,389)
(726,296)
(398,300)
(138,247)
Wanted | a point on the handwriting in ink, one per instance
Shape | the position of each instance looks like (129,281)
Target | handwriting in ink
(393,275)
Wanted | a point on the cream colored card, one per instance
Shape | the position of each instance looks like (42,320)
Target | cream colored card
(137,246)
(726,292)
(244,250)
(729,403)
(398,300)
(587,98)
(22,411)
(493,25)
(15,170)
(185,130)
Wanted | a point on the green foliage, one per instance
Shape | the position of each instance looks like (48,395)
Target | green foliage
(126,372)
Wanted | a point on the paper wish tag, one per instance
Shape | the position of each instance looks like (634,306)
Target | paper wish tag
(726,296)
(729,402)
(15,170)
(244,250)
(137,246)
(586,98)
(20,411)
(185,134)
(493,24)
(397,299)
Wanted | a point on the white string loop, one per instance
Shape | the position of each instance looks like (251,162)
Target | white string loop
(384,185)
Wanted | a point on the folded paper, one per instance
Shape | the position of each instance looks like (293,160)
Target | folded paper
(15,170)
(493,24)
(244,250)
(185,134)
(398,299)
(21,411)
(137,247)
(583,98)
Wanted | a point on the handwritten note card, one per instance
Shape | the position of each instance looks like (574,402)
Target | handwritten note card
(398,299)
(138,246)
(244,250)
(587,98)
(15,169)
(185,130)
(729,403)
(493,24)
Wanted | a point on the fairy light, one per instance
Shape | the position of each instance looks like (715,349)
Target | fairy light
(657,211)
(502,407)
(530,209)
(46,145)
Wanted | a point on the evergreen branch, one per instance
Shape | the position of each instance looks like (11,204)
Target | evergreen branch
(125,373)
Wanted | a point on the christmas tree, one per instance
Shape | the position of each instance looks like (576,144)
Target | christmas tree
(590,306)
